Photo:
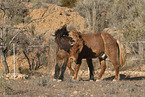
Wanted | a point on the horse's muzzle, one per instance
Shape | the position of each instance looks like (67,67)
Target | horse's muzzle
(72,42)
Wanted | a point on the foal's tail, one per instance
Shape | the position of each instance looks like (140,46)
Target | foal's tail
(122,53)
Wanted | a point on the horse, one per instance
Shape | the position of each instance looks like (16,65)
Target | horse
(62,53)
(96,45)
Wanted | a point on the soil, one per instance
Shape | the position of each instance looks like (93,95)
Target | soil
(43,85)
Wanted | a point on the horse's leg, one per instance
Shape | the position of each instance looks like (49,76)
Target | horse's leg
(111,50)
(77,66)
(63,68)
(113,58)
(69,66)
(116,67)
(91,68)
(103,67)
(57,70)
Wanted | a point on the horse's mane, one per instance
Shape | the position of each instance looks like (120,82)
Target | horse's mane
(77,36)
(60,40)
(62,31)
(75,33)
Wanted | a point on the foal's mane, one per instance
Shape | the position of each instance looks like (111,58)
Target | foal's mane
(79,42)
(62,31)
(60,36)
(74,32)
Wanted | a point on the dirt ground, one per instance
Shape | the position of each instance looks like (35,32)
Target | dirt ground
(42,85)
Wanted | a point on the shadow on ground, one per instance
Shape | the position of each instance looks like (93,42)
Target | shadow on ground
(125,77)
(122,77)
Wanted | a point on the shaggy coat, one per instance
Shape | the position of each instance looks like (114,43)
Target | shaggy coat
(75,45)
(101,45)
(63,43)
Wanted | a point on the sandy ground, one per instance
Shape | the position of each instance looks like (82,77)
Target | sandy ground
(42,85)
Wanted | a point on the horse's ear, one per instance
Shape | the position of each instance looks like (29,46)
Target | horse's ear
(70,27)
(75,34)
(64,26)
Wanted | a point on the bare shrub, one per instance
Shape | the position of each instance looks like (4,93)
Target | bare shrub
(68,3)
(94,12)
(31,46)
(129,17)
(15,11)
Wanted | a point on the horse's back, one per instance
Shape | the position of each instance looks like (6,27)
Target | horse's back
(94,45)
(109,41)
(93,40)
(100,42)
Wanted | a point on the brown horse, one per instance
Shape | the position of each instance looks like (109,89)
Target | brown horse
(62,53)
(101,45)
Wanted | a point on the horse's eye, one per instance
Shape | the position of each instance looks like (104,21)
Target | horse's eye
(64,35)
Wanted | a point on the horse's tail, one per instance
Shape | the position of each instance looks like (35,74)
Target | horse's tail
(122,53)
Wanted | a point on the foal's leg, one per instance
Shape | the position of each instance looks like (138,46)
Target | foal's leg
(57,70)
(103,67)
(63,68)
(70,61)
(91,68)
(77,66)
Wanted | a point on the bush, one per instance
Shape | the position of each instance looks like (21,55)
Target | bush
(15,11)
(94,12)
(30,45)
(127,16)
(68,3)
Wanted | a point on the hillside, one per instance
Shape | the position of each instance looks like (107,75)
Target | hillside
(55,17)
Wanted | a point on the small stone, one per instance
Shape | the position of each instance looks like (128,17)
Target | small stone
(75,92)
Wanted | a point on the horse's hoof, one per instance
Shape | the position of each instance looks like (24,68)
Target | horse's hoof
(54,79)
(74,80)
(114,80)
(97,80)
(73,77)
(59,80)
(91,80)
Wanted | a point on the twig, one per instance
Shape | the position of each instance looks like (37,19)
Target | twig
(42,17)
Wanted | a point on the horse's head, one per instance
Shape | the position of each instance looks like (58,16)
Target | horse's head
(62,39)
(61,32)
(77,44)
(75,35)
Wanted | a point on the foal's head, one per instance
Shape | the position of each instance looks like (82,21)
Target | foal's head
(61,32)
(62,39)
